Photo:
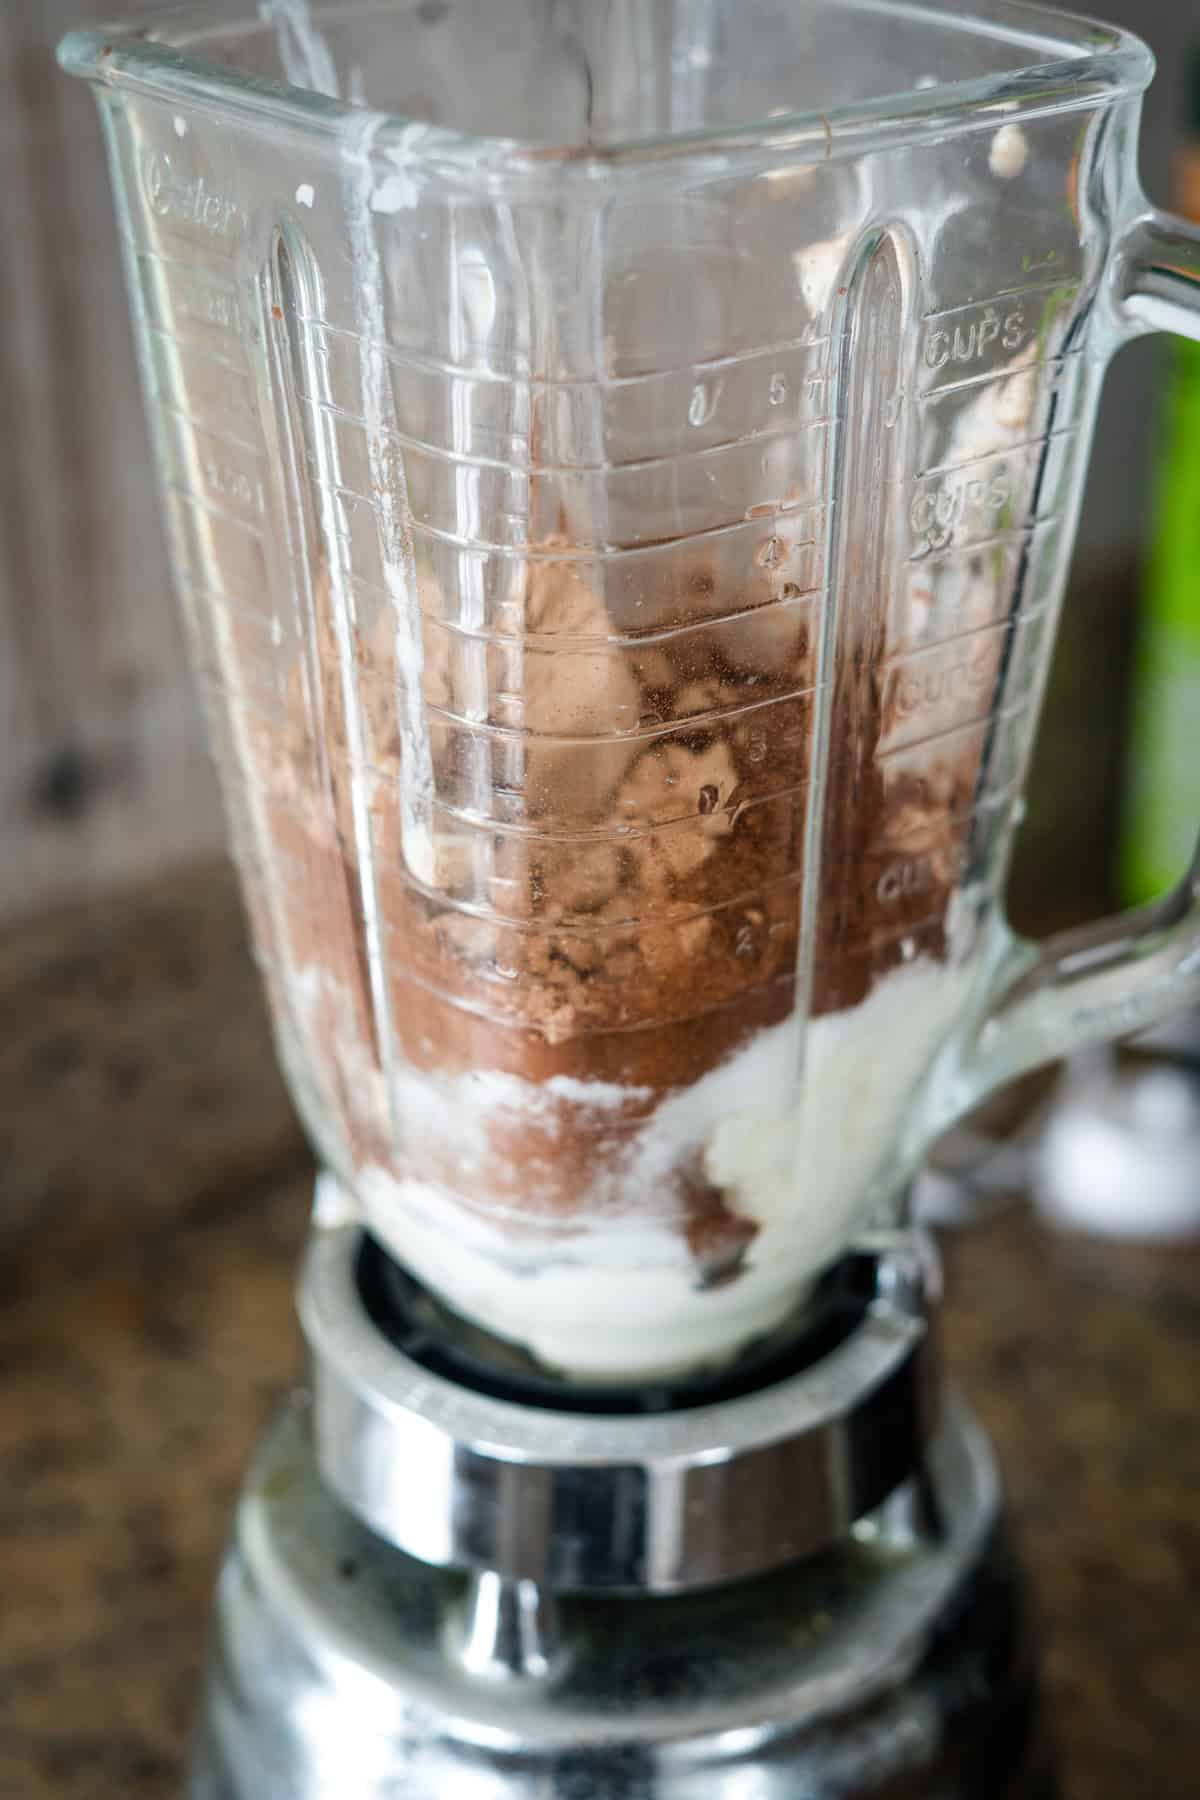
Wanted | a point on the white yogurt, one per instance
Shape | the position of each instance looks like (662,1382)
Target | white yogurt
(804,1152)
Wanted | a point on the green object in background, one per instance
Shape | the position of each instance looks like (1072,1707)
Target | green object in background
(1163,794)
(1162,798)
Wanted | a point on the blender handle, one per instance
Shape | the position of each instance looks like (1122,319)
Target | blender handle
(1125,973)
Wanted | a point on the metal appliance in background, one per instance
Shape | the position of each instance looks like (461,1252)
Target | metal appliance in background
(621,465)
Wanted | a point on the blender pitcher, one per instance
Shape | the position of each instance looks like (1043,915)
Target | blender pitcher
(621,463)
(621,459)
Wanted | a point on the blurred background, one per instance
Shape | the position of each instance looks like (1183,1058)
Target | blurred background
(153,1182)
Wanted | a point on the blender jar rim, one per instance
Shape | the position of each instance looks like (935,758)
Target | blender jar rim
(1073,62)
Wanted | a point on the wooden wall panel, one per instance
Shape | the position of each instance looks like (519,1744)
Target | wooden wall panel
(103,771)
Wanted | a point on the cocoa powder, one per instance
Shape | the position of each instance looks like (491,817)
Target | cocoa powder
(628,908)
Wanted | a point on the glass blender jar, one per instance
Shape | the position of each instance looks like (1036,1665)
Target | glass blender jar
(621,462)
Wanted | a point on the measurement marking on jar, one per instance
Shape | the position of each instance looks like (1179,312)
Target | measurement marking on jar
(253,615)
(197,423)
(782,434)
(1008,618)
(203,353)
(912,692)
(756,741)
(240,410)
(1034,260)
(970,339)
(1026,296)
(600,554)
(259,684)
(648,639)
(1013,539)
(982,497)
(893,935)
(592,554)
(886,853)
(1044,373)
(233,484)
(985,335)
(631,830)
(1015,447)
(652,638)
(189,264)
(948,506)
(426,362)
(748,902)
(207,300)
(214,507)
(959,642)
(211,307)
(706,397)
(933,739)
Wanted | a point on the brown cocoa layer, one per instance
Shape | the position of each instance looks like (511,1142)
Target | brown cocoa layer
(627,909)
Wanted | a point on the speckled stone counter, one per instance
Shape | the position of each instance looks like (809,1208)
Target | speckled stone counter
(154,1193)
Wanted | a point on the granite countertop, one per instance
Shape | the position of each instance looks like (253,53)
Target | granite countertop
(155,1190)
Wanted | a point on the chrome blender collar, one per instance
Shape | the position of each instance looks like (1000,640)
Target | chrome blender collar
(585,1501)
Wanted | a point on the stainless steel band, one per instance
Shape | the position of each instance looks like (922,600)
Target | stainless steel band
(682,1500)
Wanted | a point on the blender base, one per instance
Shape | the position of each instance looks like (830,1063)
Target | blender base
(895,1663)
